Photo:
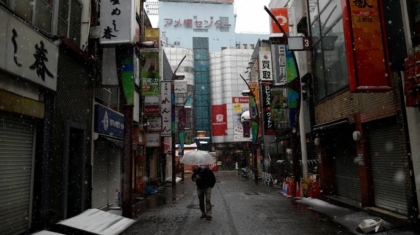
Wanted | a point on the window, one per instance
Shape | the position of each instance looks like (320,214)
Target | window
(329,54)
(69,20)
(41,14)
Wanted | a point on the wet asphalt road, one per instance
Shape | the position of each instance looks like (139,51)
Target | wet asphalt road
(239,207)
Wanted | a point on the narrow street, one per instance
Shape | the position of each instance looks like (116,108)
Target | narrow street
(239,207)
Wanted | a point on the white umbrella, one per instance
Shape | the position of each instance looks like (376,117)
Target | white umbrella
(198,157)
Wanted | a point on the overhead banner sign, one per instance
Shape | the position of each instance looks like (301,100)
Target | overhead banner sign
(367,59)
(265,66)
(219,120)
(26,53)
(117,22)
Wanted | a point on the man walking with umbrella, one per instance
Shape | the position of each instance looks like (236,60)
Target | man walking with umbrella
(205,181)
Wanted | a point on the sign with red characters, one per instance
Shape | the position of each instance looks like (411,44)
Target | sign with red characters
(365,39)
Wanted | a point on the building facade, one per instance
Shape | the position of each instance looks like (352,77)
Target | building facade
(360,125)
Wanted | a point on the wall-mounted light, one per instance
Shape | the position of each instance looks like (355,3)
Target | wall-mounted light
(317,141)
(357,135)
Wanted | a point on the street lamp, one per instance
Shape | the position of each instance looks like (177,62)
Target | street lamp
(255,118)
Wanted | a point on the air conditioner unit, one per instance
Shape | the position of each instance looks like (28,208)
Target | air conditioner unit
(176,43)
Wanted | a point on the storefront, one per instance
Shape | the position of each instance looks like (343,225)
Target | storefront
(106,181)
(28,69)
(387,166)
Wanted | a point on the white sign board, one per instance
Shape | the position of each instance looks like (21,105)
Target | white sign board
(266,72)
(165,107)
(26,53)
(180,86)
(117,21)
(152,139)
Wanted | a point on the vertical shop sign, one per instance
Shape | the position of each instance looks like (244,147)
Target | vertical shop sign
(117,22)
(279,64)
(365,40)
(165,107)
(265,66)
(219,120)
(266,107)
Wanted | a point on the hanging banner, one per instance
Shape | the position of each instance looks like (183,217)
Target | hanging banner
(118,20)
(125,61)
(165,107)
(367,59)
(292,94)
(219,120)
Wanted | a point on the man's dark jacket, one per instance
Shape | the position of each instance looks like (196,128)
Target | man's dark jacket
(206,178)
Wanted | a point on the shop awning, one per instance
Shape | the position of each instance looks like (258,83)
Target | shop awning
(331,124)
(112,142)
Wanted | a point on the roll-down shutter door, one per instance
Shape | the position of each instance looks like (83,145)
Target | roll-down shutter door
(387,166)
(16,161)
(100,175)
(106,174)
(114,176)
(346,170)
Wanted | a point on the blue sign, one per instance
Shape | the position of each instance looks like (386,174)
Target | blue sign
(108,122)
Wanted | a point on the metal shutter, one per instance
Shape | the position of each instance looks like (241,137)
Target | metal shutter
(346,170)
(114,176)
(100,175)
(16,161)
(387,166)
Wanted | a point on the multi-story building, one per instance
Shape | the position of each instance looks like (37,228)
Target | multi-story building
(359,121)
(207,28)
(46,87)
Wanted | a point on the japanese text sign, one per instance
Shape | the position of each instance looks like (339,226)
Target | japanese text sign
(365,40)
(266,72)
(26,53)
(165,107)
(117,21)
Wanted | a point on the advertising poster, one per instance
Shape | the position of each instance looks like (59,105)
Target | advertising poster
(219,120)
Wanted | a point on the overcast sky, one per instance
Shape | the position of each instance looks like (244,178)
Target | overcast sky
(251,16)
